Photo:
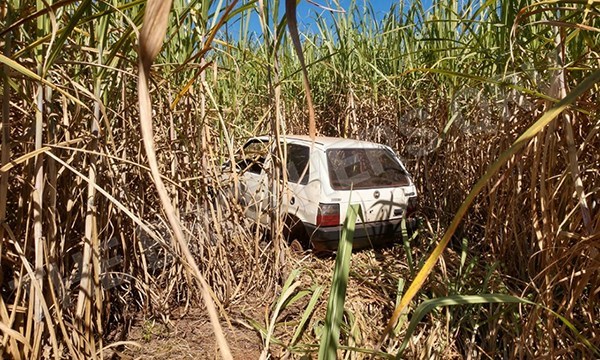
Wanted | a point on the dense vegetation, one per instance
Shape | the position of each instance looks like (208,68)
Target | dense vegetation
(85,242)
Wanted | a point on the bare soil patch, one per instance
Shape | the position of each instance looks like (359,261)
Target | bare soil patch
(372,292)
(188,337)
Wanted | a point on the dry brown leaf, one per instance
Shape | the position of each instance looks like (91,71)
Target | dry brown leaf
(154,29)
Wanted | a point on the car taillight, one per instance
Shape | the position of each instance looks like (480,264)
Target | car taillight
(412,206)
(328,215)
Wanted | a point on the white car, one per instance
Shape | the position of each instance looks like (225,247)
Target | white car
(323,178)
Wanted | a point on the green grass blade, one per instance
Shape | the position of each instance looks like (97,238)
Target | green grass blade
(335,304)
(287,292)
(406,244)
(30,74)
(306,315)
(428,305)
(60,42)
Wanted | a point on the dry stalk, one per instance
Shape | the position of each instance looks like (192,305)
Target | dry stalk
(151,38)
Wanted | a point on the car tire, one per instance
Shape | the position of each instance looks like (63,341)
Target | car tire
(295,234)
(296,247)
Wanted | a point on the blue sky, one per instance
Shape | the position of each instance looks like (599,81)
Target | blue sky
(307,12)
(306,9)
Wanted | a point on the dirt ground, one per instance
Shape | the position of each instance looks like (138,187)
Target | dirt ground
(371,293)
(189,337)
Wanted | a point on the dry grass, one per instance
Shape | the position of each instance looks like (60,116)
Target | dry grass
(85,247)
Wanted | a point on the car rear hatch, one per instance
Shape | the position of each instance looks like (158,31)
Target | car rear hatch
(372,177)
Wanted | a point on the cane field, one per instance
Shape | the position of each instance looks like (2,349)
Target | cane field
(119,239)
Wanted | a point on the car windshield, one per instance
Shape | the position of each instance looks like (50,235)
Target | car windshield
(252,157)
(364,169)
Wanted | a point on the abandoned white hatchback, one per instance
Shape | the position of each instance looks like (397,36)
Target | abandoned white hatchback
(323,178)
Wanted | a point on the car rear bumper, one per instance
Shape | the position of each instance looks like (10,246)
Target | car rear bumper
(365,235)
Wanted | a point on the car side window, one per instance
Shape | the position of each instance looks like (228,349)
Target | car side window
(252,157)
(298,163)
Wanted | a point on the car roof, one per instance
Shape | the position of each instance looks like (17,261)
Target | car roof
(325,142)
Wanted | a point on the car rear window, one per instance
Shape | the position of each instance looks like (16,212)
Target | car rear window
(364,169)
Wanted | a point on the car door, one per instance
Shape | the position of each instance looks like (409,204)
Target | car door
(297,165)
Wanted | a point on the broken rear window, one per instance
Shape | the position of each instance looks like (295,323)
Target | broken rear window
(364,169)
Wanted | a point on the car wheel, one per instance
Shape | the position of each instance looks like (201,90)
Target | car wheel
(295,235)
(296,247)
